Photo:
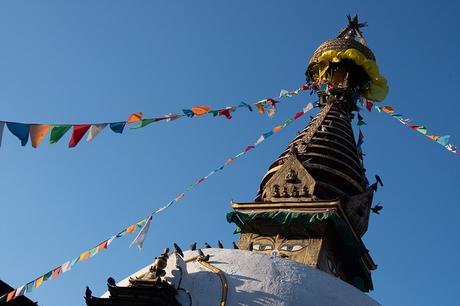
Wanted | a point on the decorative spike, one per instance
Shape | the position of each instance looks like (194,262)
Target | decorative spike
(235,246)
(193,246)
(250,246)
(200,252)
(207,246)
(219,244)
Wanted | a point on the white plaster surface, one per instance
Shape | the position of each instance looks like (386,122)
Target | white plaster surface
(257,279)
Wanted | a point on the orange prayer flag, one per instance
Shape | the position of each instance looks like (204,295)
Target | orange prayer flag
(276,129)
(260,107)
(230,160)
(388,109)
(135,117)
(37,133)
(56,272)
(103,245)
(84,256)
(39,281)
(433,137)
(131,229)
(200,110)
(10,295)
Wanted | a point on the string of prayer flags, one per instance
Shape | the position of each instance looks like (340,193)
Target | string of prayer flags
(442,140)
(37,132)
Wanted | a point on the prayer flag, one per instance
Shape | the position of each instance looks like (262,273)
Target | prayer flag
(29,287)
(111,240)
(422,130)
(103,245)
(242,104)
(20,130)
(388,109)
(261,138)
(200,110)
(10,295)
(37,133)
(66,266)
(414,127)
(139,240)
(276,129)
(360,138)
(285,93)
(271,112)
(47,276)
(298,115)
(20,291)
(144,122)
(94,130)
(260,106)
(288,121)
(84,256)
(93,251)
(266,135)
(57,132)
(360,123)
(308,107)
(369,105)
(451,148)
(79,130)
(172,117)
(188,113)
(56,272)
(131,229)
(2,125)
(226,112)
(443,140)
(249,148)
(378,108)
(3,298)
(134,117)
(433,137)
(39,281)
(118,127)
(179,197)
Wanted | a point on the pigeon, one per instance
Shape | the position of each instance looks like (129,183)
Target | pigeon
(374,187)
(207,246)
(178,250)
(200,252)
(88,292)
(235,246)
(219,244)
(111,281)
(193,246)
(250,246)
(377,208)
(379,180)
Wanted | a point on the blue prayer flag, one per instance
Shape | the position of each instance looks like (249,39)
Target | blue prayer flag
(20,130)
(118,127)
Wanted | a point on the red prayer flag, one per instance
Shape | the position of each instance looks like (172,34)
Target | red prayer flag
(414,127)
(103,245)
(249,148)
(226,113)
(369,105)
(304,87)
(79,130)
(298,115)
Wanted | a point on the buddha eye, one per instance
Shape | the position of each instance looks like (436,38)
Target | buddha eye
(262,247)
(291,247)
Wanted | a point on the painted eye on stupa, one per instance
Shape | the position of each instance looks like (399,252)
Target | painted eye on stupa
(291,247)
(262,247)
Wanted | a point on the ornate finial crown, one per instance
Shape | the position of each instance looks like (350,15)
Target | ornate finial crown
(353,29)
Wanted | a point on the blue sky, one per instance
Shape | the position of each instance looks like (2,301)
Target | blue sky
(92,61)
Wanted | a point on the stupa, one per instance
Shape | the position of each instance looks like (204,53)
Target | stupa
(300,238)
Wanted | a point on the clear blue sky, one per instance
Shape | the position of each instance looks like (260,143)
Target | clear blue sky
(91,61)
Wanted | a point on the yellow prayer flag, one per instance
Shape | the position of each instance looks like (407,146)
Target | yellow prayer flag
(39,281)
(433,137)
(131,229)
(200,110)
(84,256)
(37,133)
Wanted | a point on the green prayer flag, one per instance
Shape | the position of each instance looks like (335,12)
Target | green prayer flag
(47,276)
(144,122)
(57,132)
(422,130)
(361,123)
(378,108)
(93,251)
(3,297)
(141,223)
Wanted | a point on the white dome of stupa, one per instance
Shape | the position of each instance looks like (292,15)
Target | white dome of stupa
(255,279)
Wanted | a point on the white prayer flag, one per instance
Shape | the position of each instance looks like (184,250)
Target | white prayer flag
(308,107)
(2,125)
(94,130)
(20,291)
(139,240)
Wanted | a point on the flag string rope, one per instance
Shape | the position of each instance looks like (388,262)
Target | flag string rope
(38,131)
(142,224)
(442,140)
